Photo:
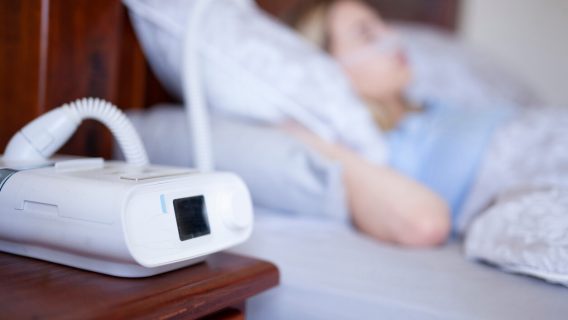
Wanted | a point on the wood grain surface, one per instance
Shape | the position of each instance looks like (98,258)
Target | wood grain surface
(35,289)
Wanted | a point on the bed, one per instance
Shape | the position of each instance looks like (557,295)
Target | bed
(60,50)
(330,272)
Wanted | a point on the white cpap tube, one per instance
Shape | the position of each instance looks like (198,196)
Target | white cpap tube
(41,138)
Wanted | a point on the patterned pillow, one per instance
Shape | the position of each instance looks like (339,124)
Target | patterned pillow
(256,68)
(525,232)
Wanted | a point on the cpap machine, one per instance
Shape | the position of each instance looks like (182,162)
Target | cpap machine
(127,219)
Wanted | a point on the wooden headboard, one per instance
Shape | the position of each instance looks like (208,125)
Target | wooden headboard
(55,51)
(440,13)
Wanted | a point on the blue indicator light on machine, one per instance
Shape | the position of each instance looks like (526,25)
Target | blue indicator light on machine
(163,202)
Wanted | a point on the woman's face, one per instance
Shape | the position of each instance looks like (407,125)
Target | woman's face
(368,50)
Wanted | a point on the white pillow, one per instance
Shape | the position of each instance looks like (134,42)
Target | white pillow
(282,173)
(445,68)
(256,68)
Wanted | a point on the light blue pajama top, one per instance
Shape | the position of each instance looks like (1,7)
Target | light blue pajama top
(442,147)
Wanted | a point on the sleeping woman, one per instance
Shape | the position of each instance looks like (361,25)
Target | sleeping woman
(445,163)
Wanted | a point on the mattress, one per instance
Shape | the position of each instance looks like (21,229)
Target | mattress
(330,271)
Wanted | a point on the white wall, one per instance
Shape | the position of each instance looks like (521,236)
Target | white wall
(529,36)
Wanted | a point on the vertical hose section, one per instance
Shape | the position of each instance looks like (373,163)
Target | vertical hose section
(193,90)
(118,124)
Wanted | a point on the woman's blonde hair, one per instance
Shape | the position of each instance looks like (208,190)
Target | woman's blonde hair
(310,19)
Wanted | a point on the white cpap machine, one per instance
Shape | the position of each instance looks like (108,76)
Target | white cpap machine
(124,219)
(127,219)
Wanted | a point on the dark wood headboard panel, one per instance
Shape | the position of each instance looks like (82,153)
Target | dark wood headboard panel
(55,51)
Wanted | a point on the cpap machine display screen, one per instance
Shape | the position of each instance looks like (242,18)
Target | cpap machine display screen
(191,217)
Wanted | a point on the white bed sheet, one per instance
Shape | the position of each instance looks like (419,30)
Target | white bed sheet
(329,271)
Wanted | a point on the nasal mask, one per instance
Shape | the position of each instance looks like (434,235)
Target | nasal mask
(385,45)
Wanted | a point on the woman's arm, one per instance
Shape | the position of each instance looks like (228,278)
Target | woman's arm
(383,203)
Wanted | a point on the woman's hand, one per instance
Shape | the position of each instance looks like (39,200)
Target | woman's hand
(383,203)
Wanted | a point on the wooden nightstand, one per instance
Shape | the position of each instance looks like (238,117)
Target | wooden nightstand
(217,288)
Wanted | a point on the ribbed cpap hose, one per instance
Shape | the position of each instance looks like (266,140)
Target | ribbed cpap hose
(118,124)
(41,138)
